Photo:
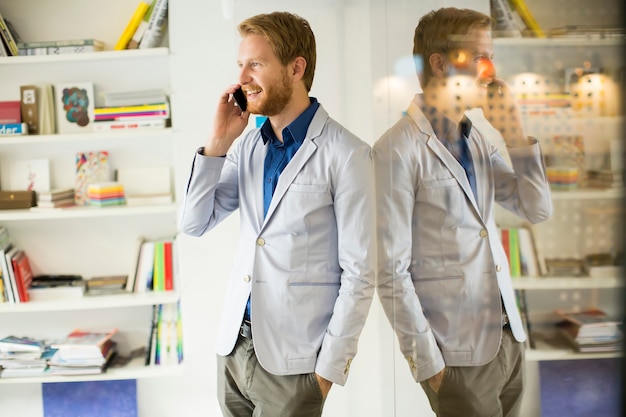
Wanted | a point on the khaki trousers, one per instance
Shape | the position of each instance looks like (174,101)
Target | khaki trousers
(491,390)
(245,389)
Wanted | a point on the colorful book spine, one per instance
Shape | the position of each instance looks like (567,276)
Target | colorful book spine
(156,26)
(159,267)
(13,129)
(115,125)
(132,25)
(514,253)
(168,266)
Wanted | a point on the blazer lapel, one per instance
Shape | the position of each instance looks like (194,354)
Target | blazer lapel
(438,148)
(258,161)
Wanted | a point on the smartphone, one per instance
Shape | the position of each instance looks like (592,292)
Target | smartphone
(240,99)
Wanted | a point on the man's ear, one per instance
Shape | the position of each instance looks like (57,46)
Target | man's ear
(297,68)
(438,65)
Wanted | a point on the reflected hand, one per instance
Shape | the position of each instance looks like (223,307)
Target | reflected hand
(325,384)
(436,380)
(502,112)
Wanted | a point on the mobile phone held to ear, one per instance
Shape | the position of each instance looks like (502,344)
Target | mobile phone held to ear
(240,99)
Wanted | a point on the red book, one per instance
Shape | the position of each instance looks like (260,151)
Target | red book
(169,267)
(23,274)
(506,244)
(10,112)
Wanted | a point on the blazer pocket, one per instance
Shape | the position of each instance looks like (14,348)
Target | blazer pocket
(307,188)
(439,183)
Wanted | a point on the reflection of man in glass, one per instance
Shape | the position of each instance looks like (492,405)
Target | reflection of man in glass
(303,279)
(444,280)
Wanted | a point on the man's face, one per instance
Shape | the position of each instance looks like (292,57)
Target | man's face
(264,80)
(471,69)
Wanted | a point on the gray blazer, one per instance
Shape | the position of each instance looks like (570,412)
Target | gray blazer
(442,267)
(309,265)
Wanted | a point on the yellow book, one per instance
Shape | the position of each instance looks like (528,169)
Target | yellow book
(528,18)
(132,25)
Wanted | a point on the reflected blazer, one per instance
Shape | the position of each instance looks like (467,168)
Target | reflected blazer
(309,265)
(442,269)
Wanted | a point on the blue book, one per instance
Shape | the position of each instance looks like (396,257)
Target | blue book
(13,129)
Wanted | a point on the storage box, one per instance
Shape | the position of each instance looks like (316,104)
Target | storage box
(17,199)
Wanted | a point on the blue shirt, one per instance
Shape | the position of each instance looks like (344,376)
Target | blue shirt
(280,153)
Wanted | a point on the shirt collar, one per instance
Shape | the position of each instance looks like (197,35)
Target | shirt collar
(445,129)
(296,129)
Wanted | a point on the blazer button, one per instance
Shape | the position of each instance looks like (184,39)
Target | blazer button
(483,233)
(246,278)
(260,241)
(498,268)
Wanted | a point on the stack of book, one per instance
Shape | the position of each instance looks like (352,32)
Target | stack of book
(15,271)
(83,352)
(153,267)
(59,47)
(105,194)
(591,330)
(132,116)
(11,123)
(562,178)
(106,285)
(604,179)
(60,197)
(23,356)
(55,287)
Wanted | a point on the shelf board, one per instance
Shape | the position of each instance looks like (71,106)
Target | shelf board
(579,41)
(93,302)
(77,212)
(588,194)
(82,137)
(134,370)
(561,283)
(546,354)
(87,56)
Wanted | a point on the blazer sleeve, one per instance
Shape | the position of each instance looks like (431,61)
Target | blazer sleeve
(395,186)
(211,194)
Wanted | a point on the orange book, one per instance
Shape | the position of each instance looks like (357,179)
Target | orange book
(169,267)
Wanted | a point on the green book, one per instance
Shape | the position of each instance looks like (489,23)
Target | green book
(516,269)
(159,266)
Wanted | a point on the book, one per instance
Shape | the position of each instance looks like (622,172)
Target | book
(133,113)
(591,322)
(145,267)
(23,274)
(6,279)
(134,265)
(158,282)
(155,31)
(62,43)
(60,50)
(514,254)
(30,174)
(56,287)
(21,344)
(505,24)
(133,98)
(74,107)
(7,37)
(117,126)
(528,18)
(46,109)
(168,266)
(131,26)
(86,342)
(10,112)
(54,194)
(29,103)
(8,256)
(528,254)
(141,29)
(13,129)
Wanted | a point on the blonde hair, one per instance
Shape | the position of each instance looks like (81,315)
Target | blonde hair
(289,36)
(442,31)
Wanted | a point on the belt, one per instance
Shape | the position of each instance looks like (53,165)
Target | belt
(246,329)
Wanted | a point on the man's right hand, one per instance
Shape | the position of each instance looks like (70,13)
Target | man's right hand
(436,380)
(228,124)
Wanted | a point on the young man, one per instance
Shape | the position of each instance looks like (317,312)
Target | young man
(303,277)
(443,273)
